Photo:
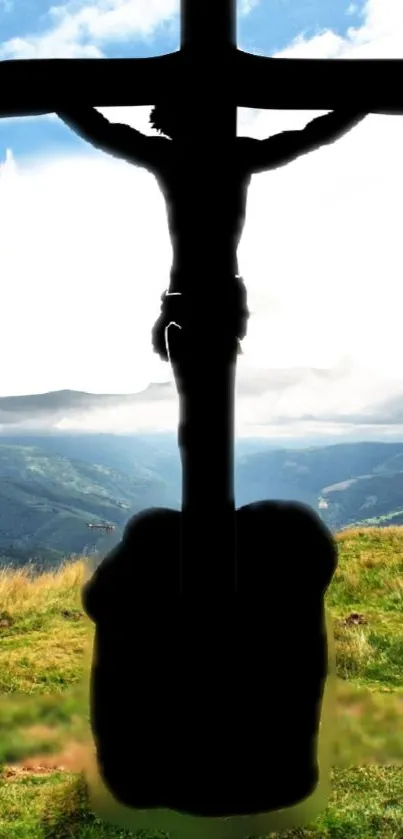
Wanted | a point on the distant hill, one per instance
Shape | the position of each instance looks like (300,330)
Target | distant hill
(47,497)
(336,480)
(346,483)
(52,486)
(60,401)
(374,498)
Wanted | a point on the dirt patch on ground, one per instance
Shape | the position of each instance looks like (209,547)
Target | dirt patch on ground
(74,758)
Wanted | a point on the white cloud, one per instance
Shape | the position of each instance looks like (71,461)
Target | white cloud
(247,6)
(268,401)
(79,29)
(70,282)
(322,238)
(380,36)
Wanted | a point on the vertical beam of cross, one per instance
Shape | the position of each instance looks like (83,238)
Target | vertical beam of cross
(206,392)
(207,25)
(208,43)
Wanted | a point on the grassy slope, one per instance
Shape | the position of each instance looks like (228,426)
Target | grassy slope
(44,657)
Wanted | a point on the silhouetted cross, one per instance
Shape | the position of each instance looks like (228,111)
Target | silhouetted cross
(208,75)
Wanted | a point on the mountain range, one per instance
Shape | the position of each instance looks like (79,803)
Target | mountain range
(53,485)
(55,482)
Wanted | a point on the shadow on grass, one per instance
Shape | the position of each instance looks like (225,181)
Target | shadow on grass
(67,814)
(66,811)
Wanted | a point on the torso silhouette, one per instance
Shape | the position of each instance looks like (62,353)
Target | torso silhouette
(206,204)
(205,191)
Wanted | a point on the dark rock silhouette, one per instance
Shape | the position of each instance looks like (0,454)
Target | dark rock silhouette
(211,707)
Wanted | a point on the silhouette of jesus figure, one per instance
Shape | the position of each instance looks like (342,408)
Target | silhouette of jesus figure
(197,212)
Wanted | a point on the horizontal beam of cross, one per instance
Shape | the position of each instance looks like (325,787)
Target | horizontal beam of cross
(370,85)
(39,86)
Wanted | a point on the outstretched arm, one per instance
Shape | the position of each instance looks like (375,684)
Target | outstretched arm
(115,138)
(262,155)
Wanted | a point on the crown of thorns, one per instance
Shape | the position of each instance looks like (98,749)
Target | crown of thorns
(161,117)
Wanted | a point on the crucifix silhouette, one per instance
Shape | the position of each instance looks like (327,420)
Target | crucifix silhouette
(210,653)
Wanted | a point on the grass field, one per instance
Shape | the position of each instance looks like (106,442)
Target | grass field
(45,644)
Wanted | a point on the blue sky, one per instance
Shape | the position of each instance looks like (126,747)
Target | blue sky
(322,234)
